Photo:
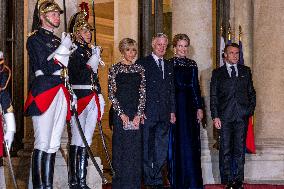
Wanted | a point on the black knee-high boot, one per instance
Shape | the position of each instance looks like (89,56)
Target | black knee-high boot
(73,164)
(82,168)
(48,162)
(36,169)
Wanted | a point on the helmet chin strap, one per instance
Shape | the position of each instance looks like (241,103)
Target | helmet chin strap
(50,22)
(82,38)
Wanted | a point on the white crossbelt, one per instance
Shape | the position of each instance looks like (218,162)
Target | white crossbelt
(39,72)
(78,87)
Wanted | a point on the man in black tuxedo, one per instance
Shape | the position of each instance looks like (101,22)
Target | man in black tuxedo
(159,111)
(232,102)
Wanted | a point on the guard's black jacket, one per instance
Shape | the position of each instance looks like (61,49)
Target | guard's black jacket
(82,74)
(44,87)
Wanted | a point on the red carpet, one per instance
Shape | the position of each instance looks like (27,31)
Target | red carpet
(218,186)
(247,186)
(107,186)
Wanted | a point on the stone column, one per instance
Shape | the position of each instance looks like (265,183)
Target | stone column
(194,17)
(125,23)
(268,69)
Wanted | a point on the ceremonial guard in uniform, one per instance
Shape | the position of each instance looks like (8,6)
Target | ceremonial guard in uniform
(6,107)
(48,98)
(83,75)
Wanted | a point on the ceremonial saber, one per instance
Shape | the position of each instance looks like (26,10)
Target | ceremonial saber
(7,150)
(104,180)
(71,92)
(10,165)
(65,18)
(94,20)
(105,148)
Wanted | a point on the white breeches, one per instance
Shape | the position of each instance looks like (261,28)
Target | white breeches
(49,126)
(88,121)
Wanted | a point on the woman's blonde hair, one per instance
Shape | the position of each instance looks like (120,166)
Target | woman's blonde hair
(126,43)
(179,37)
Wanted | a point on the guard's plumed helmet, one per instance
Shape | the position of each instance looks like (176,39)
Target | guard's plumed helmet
(79,21)
(45,6)
(42,7)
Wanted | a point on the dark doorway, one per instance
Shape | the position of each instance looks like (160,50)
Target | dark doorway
(12,44)
(152,19)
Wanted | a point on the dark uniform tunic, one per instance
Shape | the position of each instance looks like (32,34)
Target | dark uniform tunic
(43,89)
(88,105)
(48,99)
(82,74)
(5,99)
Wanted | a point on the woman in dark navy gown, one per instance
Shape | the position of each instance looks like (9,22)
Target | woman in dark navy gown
(184,157)
(127,93)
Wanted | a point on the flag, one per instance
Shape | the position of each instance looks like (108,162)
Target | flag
(229,41)
(222,46)
(241,61)
(250,144)
(229,35)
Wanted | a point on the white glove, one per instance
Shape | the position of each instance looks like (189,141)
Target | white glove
(97,50)
(10,128)
(95,59)
(65,49)
(102,104)
(66,40)
(94,63)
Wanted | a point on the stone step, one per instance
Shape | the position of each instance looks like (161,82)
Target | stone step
(22,171)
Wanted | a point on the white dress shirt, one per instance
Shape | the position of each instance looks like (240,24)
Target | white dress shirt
(228,66)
